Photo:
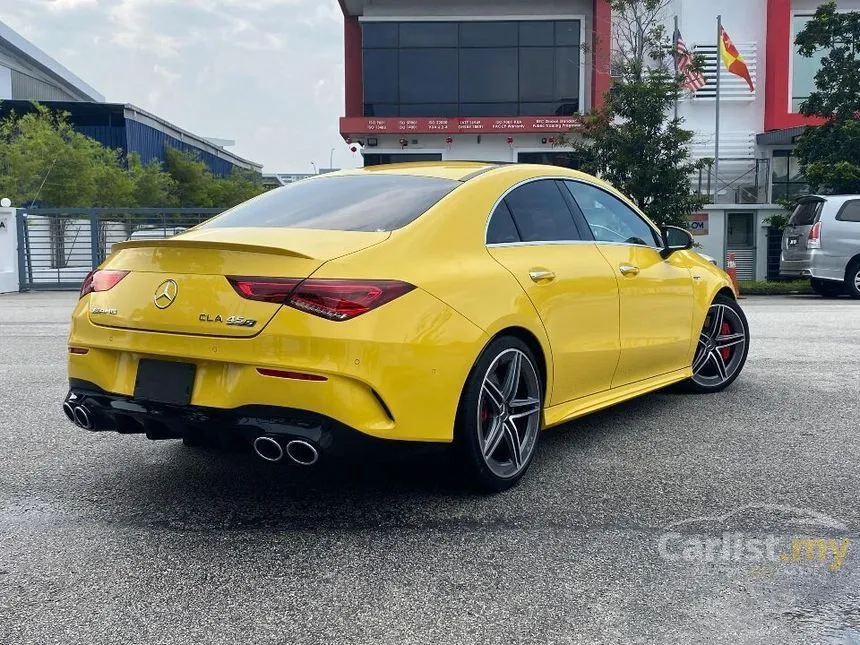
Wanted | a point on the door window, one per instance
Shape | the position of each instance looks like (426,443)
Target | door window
(540,213)
(610,219)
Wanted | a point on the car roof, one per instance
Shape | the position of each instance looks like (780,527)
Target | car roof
(465,170)
(454,170)
(835,199)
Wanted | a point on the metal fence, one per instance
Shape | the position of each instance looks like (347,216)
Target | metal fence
(57,247)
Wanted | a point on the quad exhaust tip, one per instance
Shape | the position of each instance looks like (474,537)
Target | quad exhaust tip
(298,451)
(302,452)
(83,417)
(268,448)
(69,411)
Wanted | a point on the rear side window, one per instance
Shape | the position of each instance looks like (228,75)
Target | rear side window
(806,213)
(541,213)
(502,229)
(340,203)
(850,211)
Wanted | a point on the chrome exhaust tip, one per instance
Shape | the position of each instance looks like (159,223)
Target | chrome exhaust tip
(69,411)
(302,452)
(268,448)
(83,417)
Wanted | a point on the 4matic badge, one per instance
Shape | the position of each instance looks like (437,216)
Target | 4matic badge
(231,321)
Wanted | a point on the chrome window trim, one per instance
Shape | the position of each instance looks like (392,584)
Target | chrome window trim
(658,234)
(568,242)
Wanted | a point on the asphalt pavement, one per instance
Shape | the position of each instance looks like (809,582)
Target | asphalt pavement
(728,518)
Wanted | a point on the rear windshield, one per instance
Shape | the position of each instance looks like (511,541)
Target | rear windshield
(805,214)
(340,203)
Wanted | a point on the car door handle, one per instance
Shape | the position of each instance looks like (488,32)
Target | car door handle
(541,276)
(629,269)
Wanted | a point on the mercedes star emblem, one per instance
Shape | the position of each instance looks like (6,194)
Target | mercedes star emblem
(165,294)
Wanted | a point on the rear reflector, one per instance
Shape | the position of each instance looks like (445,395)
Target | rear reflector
(331,299)
(296,376)
(101,281)
(814,239)
(80,351)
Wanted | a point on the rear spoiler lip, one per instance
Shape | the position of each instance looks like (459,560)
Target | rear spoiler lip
(208,244)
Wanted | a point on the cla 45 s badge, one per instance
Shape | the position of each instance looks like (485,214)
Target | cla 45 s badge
(231,321)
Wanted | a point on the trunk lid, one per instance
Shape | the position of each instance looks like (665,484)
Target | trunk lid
(796,234)
(179,285)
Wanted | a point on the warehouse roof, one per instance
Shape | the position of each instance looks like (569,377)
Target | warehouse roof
(88,113)
(29,54)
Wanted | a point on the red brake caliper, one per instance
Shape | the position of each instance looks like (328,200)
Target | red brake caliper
(484,413)
(725,330)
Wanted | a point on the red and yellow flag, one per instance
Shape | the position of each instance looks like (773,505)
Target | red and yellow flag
(733,60)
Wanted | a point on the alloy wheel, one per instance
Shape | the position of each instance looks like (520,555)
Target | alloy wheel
(720,352)
(509,413)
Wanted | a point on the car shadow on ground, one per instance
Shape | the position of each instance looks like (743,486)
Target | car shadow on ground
(398,486)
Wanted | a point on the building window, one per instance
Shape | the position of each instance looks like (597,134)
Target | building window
(472,69)
(373,159)
(787,180)
(803,69)
(563,159)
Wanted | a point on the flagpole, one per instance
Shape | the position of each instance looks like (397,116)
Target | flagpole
(717,110)
(675,58)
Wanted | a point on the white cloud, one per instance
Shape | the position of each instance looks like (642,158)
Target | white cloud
(267,73)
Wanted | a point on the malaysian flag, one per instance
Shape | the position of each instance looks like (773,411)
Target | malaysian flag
(693,80)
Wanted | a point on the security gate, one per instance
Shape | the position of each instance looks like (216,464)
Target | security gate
(58,247)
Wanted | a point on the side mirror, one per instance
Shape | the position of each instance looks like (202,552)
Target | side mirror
(675,239)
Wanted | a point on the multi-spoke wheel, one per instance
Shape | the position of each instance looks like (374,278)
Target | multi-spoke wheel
(500,415)
(722,348)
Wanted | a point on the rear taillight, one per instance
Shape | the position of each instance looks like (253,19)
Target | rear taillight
(345,299)
(101,281)
(813,241)
(275,290)
(331,299)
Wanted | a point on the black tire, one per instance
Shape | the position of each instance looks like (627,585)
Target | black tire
(709,378)
(474,431)
(827,288)
(852,279)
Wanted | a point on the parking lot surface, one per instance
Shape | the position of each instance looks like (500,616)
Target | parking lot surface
(726,518)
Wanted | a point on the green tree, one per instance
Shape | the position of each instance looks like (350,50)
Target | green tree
(633,141)
(43,159)
(192,179)
(829,154)
(153,187)
(240,186)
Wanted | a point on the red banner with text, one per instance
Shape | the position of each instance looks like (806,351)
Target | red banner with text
(357,126)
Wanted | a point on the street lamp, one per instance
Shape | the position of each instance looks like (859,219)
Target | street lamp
(316,172)
(331,159)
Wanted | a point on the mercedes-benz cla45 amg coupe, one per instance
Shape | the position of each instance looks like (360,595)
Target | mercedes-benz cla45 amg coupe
(461,303)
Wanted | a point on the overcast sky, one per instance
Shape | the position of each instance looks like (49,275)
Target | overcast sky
(266,73)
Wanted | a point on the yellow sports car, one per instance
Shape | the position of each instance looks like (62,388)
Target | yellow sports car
(464,303)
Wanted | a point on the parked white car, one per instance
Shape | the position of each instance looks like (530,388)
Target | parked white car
(822,242)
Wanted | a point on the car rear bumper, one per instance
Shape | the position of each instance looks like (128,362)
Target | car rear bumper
(395,373)
(106,412)
(816,266)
